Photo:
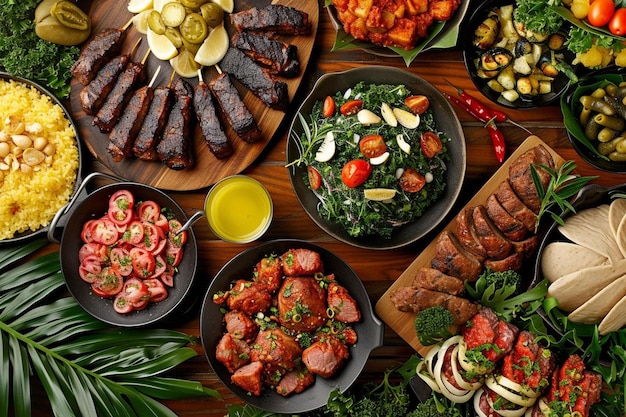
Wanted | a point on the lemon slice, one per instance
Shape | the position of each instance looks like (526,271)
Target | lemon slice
(226,5)
(161,46)
(379,194)
(185,65)
(214,47)
(140,21)
(138,6)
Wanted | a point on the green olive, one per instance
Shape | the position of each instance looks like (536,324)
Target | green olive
(173,14)
(193,4)
(212,13)
(194,28)
(174,36)
(155,23)
(70,15)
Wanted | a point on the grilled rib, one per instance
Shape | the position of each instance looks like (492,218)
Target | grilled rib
(272,92)
(96,53)
(95,93)
(123,135)
(212,131)
(233,109)
(174,148)
(111,110)
(279,57)
(283,20)
(153,124)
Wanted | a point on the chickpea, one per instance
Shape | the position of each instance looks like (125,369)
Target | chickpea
(4,149)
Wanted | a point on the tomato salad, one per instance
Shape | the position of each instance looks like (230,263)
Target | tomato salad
(131,252)
(374,157)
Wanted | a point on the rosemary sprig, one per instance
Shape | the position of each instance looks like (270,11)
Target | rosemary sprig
(562,186)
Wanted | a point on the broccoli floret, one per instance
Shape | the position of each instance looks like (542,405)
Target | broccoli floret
(433,324)
(435,407)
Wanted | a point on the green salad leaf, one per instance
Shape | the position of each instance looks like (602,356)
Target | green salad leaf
(538,16)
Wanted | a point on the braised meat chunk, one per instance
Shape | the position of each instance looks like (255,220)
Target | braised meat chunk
(249,377)
(302,304)
(277,350)
(269,271)
(294,382)
(240,325)
(232,352)
(325,356)
(301,262)
(249,297)
(345,308)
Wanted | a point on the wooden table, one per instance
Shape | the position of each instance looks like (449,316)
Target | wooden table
(377,269)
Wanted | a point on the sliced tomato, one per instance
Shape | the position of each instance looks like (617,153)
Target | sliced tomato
(121,261)
(160,266)
(149,211)
(177,239)
(160,247)
(86,233)
(430,144)
(355,172)
(417,103)
(328,109)
(90,268)
(143,262)
(411,180)
(121,207)
(110,284)
(158,292)
(163,223)
(134,233)
(104,231)
(152,235)
(315,178)
(121,304)
(351,107)
(372,146)
(173,254)
(93,248)
(135,290)
(168,276)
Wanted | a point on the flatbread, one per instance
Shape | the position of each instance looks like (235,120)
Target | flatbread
(576,288)
(617,212)
(561,258)
(597,307)
(590,228)
(620,236)
(615,319)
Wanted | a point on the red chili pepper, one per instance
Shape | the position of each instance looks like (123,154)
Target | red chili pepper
(470,110)
(480,108)
(497,140)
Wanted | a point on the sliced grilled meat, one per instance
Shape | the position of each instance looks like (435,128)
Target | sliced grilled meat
(521,179)
(95,93)
(514,206)
(452,259)
(111,109)
(175,147)
(272,92)
(491,238)
(96,53)
(492,337)
(153,124)
(233,109)
(123,134)
(214,135)
(467,233)
(283,20)
(414,300)
(512,262)
(509,225)
(526,247)
(435,280)
(279,57)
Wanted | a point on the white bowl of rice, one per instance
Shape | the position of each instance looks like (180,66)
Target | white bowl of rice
(39,158)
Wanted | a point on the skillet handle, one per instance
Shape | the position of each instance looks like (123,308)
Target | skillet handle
(66,208)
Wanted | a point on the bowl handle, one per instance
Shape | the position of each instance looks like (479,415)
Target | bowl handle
(66,208)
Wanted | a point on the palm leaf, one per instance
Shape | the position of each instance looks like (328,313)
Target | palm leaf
(86,367)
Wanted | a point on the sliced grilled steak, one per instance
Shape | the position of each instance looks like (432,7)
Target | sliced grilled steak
(512,262)
(175,147)
(526,247)
(452,259)
(214,136)
(467,233)
(233,109)
(283,20)
(272,92)
(414,300)
(514,206)
(521,179)
(491,238)
(153,124)
(279,57)
(96,53)
(435,280)
(123,134)
(95,93)
(509,225)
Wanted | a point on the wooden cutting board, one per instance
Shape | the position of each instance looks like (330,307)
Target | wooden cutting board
(402,323)
(207,169)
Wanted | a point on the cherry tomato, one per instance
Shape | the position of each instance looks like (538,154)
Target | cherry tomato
(617,24)
(431,144)
(109,285)
(418,103)
(372,146)
(600,12)
(351,107)
(356,172)
(149,211)
(328,109)
(411,181)
(143,262)
(103,231)
(315,178)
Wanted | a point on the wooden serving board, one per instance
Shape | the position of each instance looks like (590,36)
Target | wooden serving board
(207,169)
(402,323)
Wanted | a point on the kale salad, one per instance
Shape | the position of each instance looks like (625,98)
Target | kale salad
(374,157)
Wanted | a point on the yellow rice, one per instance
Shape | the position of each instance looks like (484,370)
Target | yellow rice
(29,201)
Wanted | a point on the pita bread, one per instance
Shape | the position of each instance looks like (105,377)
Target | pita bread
(617,211)
(615,319)
(561,258)
(576,288)
(620,237)
(598,306)
(590,228)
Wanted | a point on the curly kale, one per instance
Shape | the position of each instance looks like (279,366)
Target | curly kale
(538,16)
(433,325)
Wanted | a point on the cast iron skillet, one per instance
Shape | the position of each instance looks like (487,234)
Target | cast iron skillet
(369,329)
(94,206)
(28,235)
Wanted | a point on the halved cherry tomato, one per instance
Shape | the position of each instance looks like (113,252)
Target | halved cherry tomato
(315,178)
(351,107)
(109,285)
(411,181)
(617,24)
(372,146)
(431,144)
(149,211)
(328,109)
(600,12)
(103,231)
(417,103)
(143,262)
(356,172)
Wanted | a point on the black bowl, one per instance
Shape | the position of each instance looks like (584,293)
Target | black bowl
(95,205)
(447,122)
(369,329)
(470,53)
